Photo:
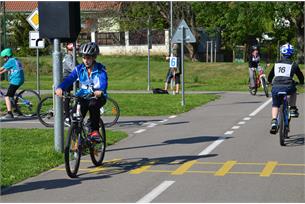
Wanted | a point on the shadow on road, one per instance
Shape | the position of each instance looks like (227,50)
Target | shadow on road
(133,123)
(295,140)
(187,140)
(106,171)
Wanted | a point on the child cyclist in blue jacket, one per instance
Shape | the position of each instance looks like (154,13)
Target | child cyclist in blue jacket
(93,79)
(281,76)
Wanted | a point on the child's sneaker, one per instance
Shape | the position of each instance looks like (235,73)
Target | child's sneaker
(95,136)
(274,126)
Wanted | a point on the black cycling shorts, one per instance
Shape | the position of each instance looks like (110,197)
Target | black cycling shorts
(12,90)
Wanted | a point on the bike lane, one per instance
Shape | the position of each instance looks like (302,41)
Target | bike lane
(164,152)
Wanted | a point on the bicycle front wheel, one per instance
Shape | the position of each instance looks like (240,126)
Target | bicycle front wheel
(27,102)
(265,86)
(111,112)
(97,150)
(73,151)
(45,112)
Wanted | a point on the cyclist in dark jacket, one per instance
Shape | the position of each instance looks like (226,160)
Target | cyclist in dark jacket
(281,77)
(253,64)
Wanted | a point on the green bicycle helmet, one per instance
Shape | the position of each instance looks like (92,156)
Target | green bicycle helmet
(7,52)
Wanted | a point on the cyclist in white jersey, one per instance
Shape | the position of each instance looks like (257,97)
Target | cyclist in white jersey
(281,77)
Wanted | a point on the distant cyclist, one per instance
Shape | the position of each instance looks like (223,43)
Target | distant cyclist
(67,69)
(93,79)
(16,78)
(254,59)
(281,76)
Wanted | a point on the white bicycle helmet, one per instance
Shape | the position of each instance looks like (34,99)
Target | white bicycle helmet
(90,49)
(287,50)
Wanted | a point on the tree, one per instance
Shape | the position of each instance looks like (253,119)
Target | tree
(135,16)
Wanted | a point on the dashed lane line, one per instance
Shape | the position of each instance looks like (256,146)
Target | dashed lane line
(156,192)
(139,131)
(260,108)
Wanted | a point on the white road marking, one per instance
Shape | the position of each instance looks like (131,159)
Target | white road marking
(173,116)
(152,125)
(241,123)
(235,127)
(229,132)
(155,192)
(260,108)
(162,121)
(139,131)
(247,118)
(212,146)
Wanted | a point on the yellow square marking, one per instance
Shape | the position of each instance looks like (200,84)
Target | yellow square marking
(142,168)
(226,167)
(268,169)
(184,167)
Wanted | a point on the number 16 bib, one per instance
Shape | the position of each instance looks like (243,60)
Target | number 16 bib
(281,69)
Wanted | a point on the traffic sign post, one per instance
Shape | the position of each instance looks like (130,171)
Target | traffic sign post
(36,42)
(183,35)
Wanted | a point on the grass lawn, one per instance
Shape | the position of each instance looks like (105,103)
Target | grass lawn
(130,73)
(28,152)
(157,104)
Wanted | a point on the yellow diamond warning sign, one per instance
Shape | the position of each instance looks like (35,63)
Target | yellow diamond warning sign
(33,19)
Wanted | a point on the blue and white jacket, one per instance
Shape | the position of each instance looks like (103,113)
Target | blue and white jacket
(98,79)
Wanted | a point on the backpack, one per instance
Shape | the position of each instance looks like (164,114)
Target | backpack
(159,91)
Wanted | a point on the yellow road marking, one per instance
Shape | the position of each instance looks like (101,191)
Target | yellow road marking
(97,169)
(291,165)
(290,174)
(210,163)
(201,172)
(269,167)
(160,171)
(142,168)
(184,167)
(226,167)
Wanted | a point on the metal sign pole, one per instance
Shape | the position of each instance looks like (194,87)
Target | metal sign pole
(37,71)
(182,66)
(171,28)
(148,70)
(74,64)
(149,45)
(57,78)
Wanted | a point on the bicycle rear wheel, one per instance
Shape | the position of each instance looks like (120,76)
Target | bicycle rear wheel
(45,112)
(111,111)
(73,151)
(265,86)
(97,150)
(27,102)
(282,129)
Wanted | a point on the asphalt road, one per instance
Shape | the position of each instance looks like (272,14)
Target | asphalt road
(220,152)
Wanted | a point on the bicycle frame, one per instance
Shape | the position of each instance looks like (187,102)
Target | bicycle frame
(286,113)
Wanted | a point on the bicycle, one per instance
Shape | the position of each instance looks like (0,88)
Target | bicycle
(77,142)
(283,118)
(46,113)
(25,102)
(260,80)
